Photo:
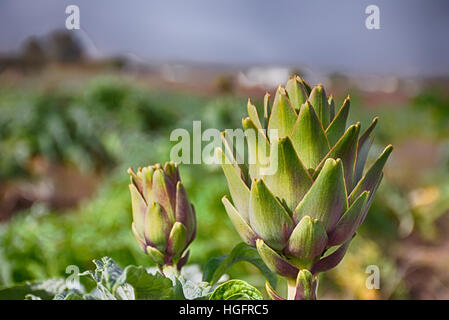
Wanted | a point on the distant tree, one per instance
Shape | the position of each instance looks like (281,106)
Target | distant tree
(64,47)
(33,55)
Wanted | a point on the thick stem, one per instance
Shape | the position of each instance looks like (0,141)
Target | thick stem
(302,288)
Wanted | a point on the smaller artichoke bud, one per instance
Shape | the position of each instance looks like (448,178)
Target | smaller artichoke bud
(164,221)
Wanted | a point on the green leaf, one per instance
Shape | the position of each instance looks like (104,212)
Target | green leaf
(371,177)
(253,115)
(44,290)
(347,225)
(266,109)
(164,192)
(308,137)
(267,217)
(291,180)
(239,223)
(233,144)
(331,260)
(318,100)
(345,149)
(194,290)
(217,267)
(155,255)
(184,210)
(157,226)
(258,148)
(236,290)
(240,192)
(274,261)
(364,145)
(305,85)
(177,240)
(139,207)
(338,125)
(149,286)
(283,116)
(147,187)
(107,273)
(296,92)
(326,199)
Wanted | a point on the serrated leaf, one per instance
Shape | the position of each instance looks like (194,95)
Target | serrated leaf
(236,290)
(107,273)
(44,290)
(149,286)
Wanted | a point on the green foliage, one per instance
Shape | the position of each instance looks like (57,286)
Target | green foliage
(236,290)
(132,283)
(217,267)
(117,124)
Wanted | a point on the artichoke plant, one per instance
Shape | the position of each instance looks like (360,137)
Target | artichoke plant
(302,216)
(164,221)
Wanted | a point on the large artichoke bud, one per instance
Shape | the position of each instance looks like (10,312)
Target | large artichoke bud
(318,194)
(164,221)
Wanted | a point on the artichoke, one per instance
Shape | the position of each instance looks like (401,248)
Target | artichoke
(302,216)
(164,221)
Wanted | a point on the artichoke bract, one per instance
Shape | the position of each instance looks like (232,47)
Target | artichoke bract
(301,216)
(164,221)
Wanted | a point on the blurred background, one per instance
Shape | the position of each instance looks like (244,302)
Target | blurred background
(78,107)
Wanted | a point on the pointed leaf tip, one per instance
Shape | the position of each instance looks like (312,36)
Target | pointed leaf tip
(274,261)
(242,227)
(267,216)
(326,199)
(308,137)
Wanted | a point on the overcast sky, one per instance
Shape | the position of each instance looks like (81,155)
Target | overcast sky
(328,35)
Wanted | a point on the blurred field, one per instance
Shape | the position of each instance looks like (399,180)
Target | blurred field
(68,134)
